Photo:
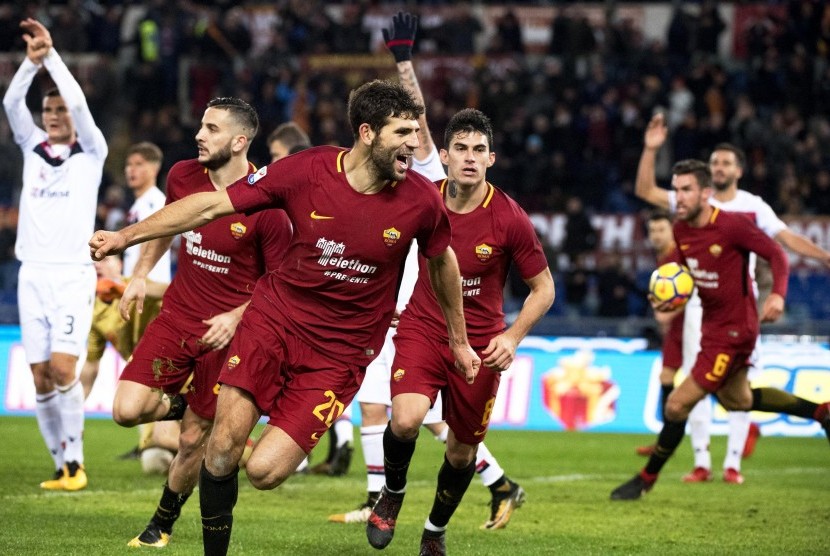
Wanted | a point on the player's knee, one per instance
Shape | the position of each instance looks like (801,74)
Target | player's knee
(406,426)
(125,417)
(263,474)
(191,443)
(222,455)
(675,410)
(461,459)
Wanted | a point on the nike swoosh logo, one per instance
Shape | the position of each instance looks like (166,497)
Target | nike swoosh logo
(315,436)
(479,433)
(684,246)
(315,216)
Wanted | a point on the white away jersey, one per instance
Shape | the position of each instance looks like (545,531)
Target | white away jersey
(60,182)
(151,201)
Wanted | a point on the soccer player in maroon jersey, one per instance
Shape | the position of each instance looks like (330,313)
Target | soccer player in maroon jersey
(715,245)
(490,232)
(661,238)
(184,348)
(315,323)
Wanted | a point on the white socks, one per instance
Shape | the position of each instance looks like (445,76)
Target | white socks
(738,431)
(699,421)
(47,411)
(488,469)
(71,402)
(371,438)
(344,430)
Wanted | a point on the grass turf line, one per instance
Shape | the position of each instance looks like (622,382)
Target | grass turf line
(783,508)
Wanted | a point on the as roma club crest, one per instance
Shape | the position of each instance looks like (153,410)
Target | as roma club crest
(238,230)
(484,252)
(391,236)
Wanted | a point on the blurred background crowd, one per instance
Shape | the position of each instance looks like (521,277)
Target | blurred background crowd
(569,86)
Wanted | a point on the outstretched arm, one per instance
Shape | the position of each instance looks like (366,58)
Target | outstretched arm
(185,214)
(803,246)
(646,187)
(446,283)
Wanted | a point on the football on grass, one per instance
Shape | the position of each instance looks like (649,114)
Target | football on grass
(672,283)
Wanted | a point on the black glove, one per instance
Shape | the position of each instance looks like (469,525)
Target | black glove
(401,37)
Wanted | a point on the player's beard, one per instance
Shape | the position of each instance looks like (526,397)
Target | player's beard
(384,160)
(722,185)
(693,212)
(219,158)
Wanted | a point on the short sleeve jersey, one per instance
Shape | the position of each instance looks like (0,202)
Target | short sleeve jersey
(486,241)
(337,284)
(717,255)
(149,202)
(220,262)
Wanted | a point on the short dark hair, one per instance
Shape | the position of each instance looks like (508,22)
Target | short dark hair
(659,214)
(698,168)
(469,120)
(242,112)
(373,102)
(149,151)
(289,134)
(53,92)
(740,156)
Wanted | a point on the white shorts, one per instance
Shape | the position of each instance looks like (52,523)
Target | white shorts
(55,304)
(375,387)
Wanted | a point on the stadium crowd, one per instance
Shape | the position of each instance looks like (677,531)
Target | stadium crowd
(569,119)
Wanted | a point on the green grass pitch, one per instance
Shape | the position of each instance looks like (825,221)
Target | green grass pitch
(783,508)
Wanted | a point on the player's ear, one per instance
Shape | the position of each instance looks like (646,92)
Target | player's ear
(366,134)
(444,156)
(239,144)
(491,159)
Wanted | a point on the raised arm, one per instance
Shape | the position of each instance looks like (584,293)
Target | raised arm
(14,102)
(89,136)
(445,278)
(399,40)
(185,214)
(646,187)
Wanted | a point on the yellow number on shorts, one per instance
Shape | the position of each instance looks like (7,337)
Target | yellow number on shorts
(488,410)
(329,410)
(719,368)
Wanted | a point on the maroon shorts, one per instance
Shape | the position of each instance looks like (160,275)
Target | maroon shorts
(302,390)
(165,358)
(424,366)
(673,344)
(715,363)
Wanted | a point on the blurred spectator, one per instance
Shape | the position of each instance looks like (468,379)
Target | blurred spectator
(708,28)
(457,36)
(580,235)
(508,37)
(614,286)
